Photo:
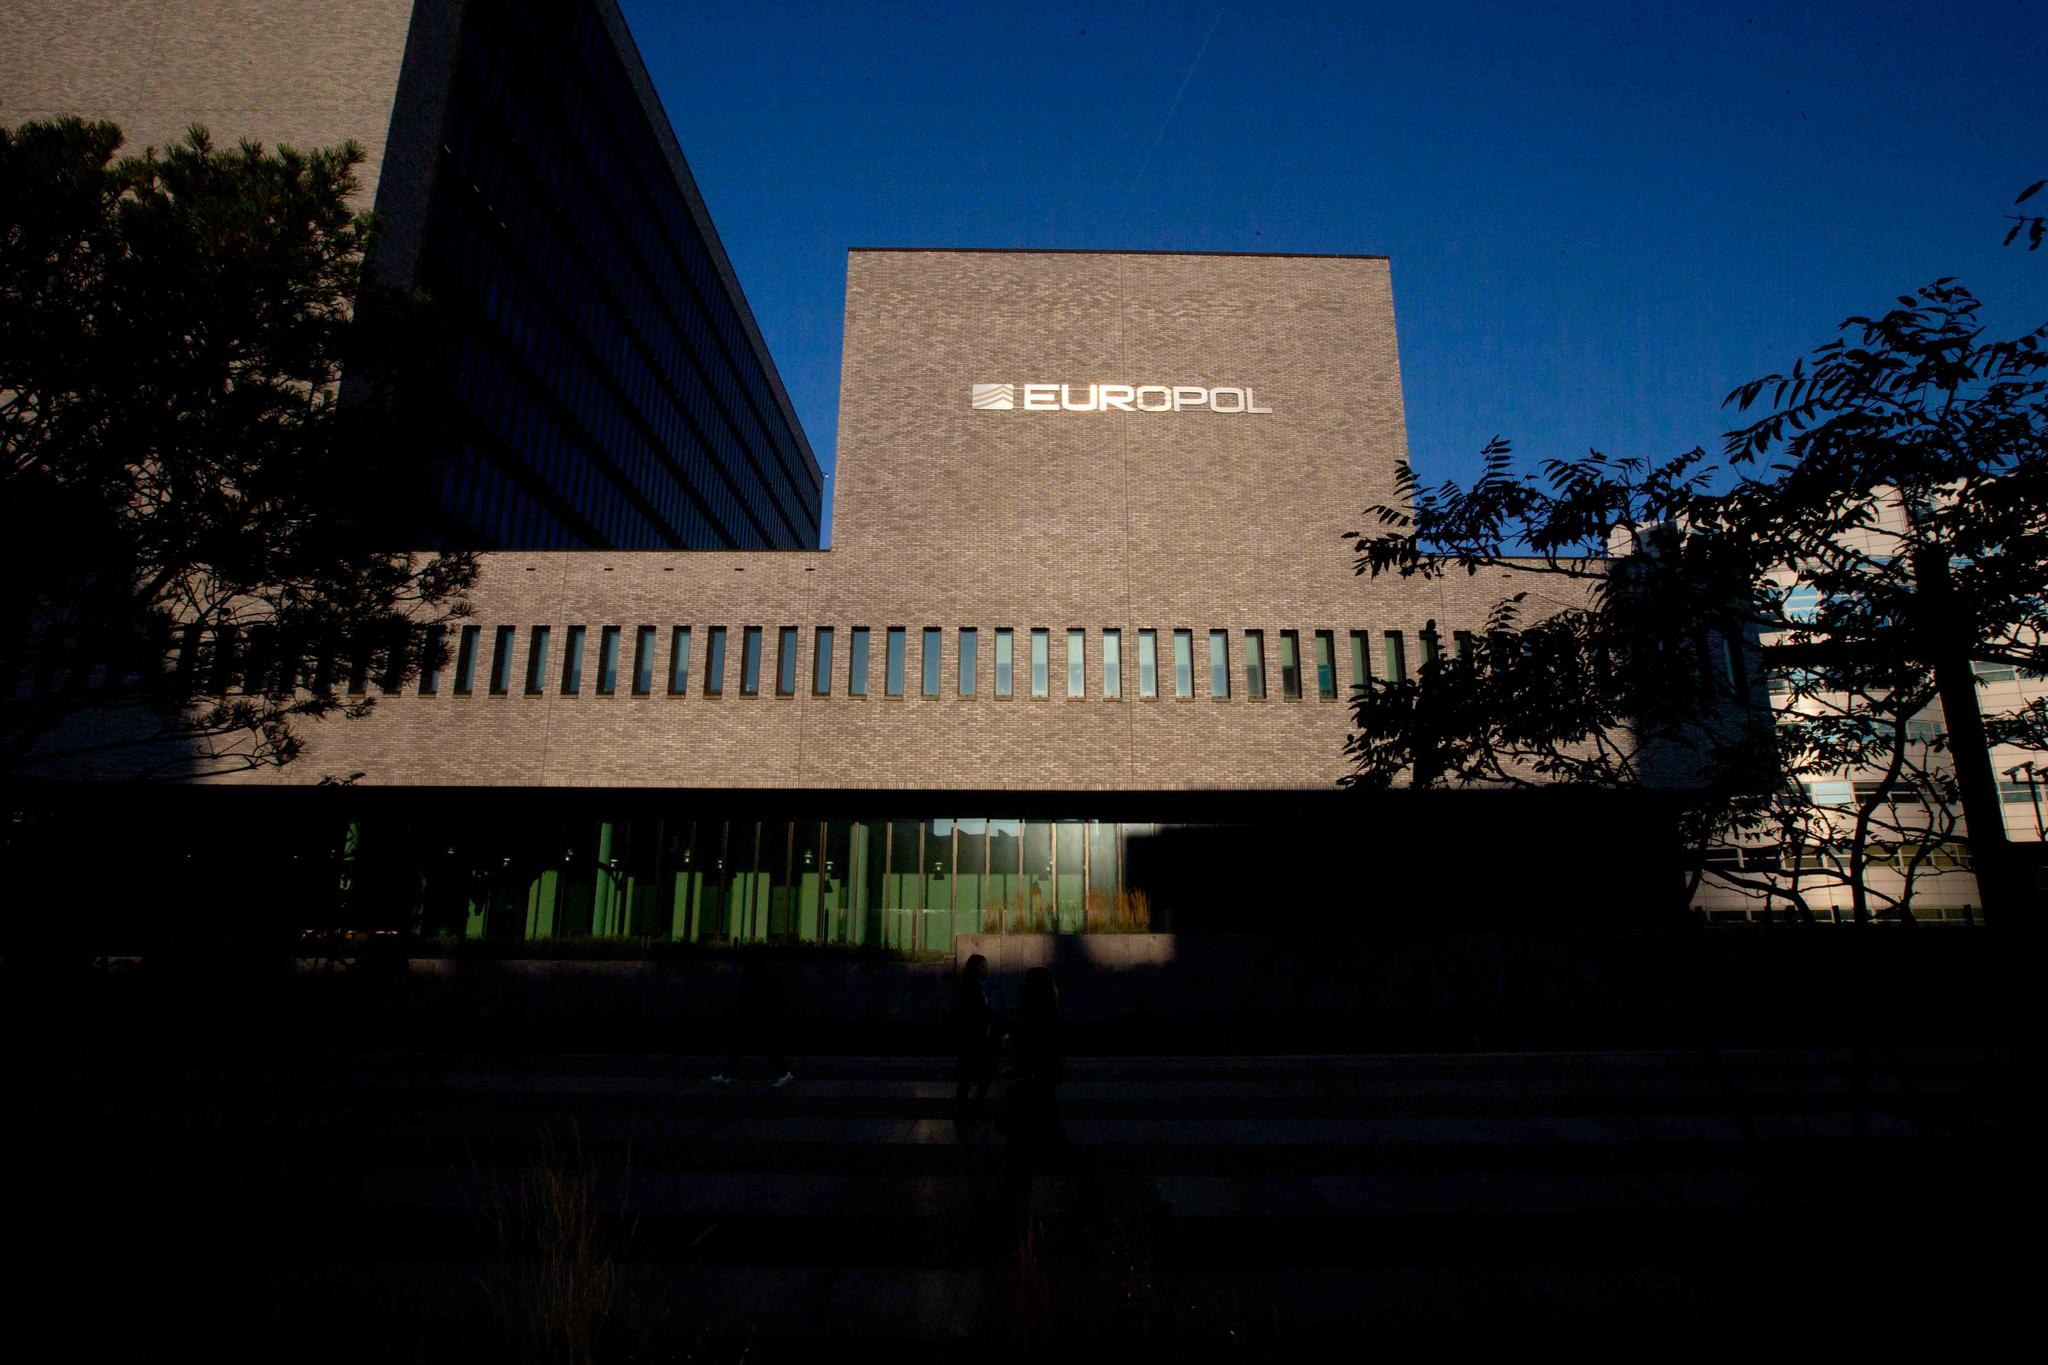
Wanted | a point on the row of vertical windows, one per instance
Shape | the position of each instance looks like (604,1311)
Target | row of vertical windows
(1297,674)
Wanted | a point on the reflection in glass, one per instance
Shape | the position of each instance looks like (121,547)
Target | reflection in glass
(714,662)
(892,666)
(1290,665)
(968,640)
(679,661)
(750,661)
(1255,664)
(1036,904)
(1326,666)
(1069,845)
(608,661)
(643,661)
(1112,663)
(1003,661)
(785,662)
(936,931)
(1040,664)
(1219,663)
(536,661)
(465,660)
(903,893)
(1077,663)
(930,661)
(501,661)
(1007,901)
(821,662)
(857,668)
(970,861)
(572,662)
(1361,659)
(1397,657)
(1183,663)
(1148,663)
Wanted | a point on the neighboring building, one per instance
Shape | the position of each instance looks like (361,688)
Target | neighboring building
(612,390)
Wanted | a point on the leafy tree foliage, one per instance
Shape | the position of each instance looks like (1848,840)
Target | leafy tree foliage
(1880,524)
(209,526)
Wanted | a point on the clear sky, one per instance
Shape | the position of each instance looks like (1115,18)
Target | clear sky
(1602,217)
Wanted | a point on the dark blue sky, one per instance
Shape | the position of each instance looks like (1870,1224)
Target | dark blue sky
(1602,217)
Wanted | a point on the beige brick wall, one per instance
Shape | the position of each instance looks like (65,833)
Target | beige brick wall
(309,73)
(950,517)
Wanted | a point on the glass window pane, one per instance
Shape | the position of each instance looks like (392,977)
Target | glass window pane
(1077,663)
(1183,663)
(929,661)
(1290,665)
(1006,898)
(608,661)
(536,660)
(643,661)
(1219,663)
(968,641)
(857,665)
(1148,663)
(1430,651)
(678,661)
(465,660)
(892,675)
(935,929)
(1397,657)
(1034,908)
(750,661)
(1361,659)
(821,662)
(501,661)
(1112,663)
(1004,649)
(1069,843)
(1326,665)
(1041,648)
(432,656)
(1255,664)
(714,662)
(970,864)
(785,662)
(572,662)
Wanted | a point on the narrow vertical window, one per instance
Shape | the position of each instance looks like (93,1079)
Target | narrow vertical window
(785,662)
(928,660)
(1361,660)
(1462,642)
(1077,663)
(1183,663)
(1041,663)
(750,661)
(1397,657)
(608,661)
(969,640)
(432,655)
(501,660)
(821,662)
(1326,665)
(892,662)
(679,661)
(1431,653)
(1112,663)
(714,662)
(572,661)
(857,666)
(1148,664)
(465,660)
(1290,665)
(396,656)
(1219,663)
(643,661)
(536,661)
(1005,649)
(1255,665)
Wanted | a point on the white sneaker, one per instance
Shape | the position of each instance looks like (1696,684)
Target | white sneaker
(784,1079)
(721,1079)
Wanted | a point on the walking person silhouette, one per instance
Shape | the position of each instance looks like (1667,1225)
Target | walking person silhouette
(1033,1117)
(974,1039)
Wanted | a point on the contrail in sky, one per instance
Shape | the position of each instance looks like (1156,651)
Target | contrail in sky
(1171,109)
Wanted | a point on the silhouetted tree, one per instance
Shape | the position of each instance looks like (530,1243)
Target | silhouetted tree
(210,529)
(1883,525)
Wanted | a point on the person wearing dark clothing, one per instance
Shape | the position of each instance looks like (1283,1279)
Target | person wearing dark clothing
(974,1037)
(1035,1130)
(757,1024)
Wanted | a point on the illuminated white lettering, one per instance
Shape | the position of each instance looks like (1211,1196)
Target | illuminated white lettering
(1251,402)
(1236,396)
(1116,397)
(1041,398)
(1165,403)
(1188,396)
(1067,403)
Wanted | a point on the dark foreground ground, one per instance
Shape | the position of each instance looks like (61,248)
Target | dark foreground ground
(261,1201)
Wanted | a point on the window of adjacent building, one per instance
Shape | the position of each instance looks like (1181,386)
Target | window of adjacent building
(1077,663)
(1290,665)
(1993,672)
(714,662)
(892,664)
(1361,659)
(969,640)
(608,661)
(1041,661)
(501,660)
(679,661)
(1326,665)
(1005,648)
(536,661)
(572,661)
(1397,657)
(643,661)
(1219,663)
(1148,664)
(1255,665)
(1830,793)
(1183,663)
(431,654)
(928,661)
(821,662)
(750,661)
(785,662)
(465,660)
(857,664)
(1112,664)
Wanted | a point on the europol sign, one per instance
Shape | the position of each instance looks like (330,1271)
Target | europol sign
(1113,398)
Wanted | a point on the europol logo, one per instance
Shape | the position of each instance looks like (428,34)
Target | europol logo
(1114,398)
